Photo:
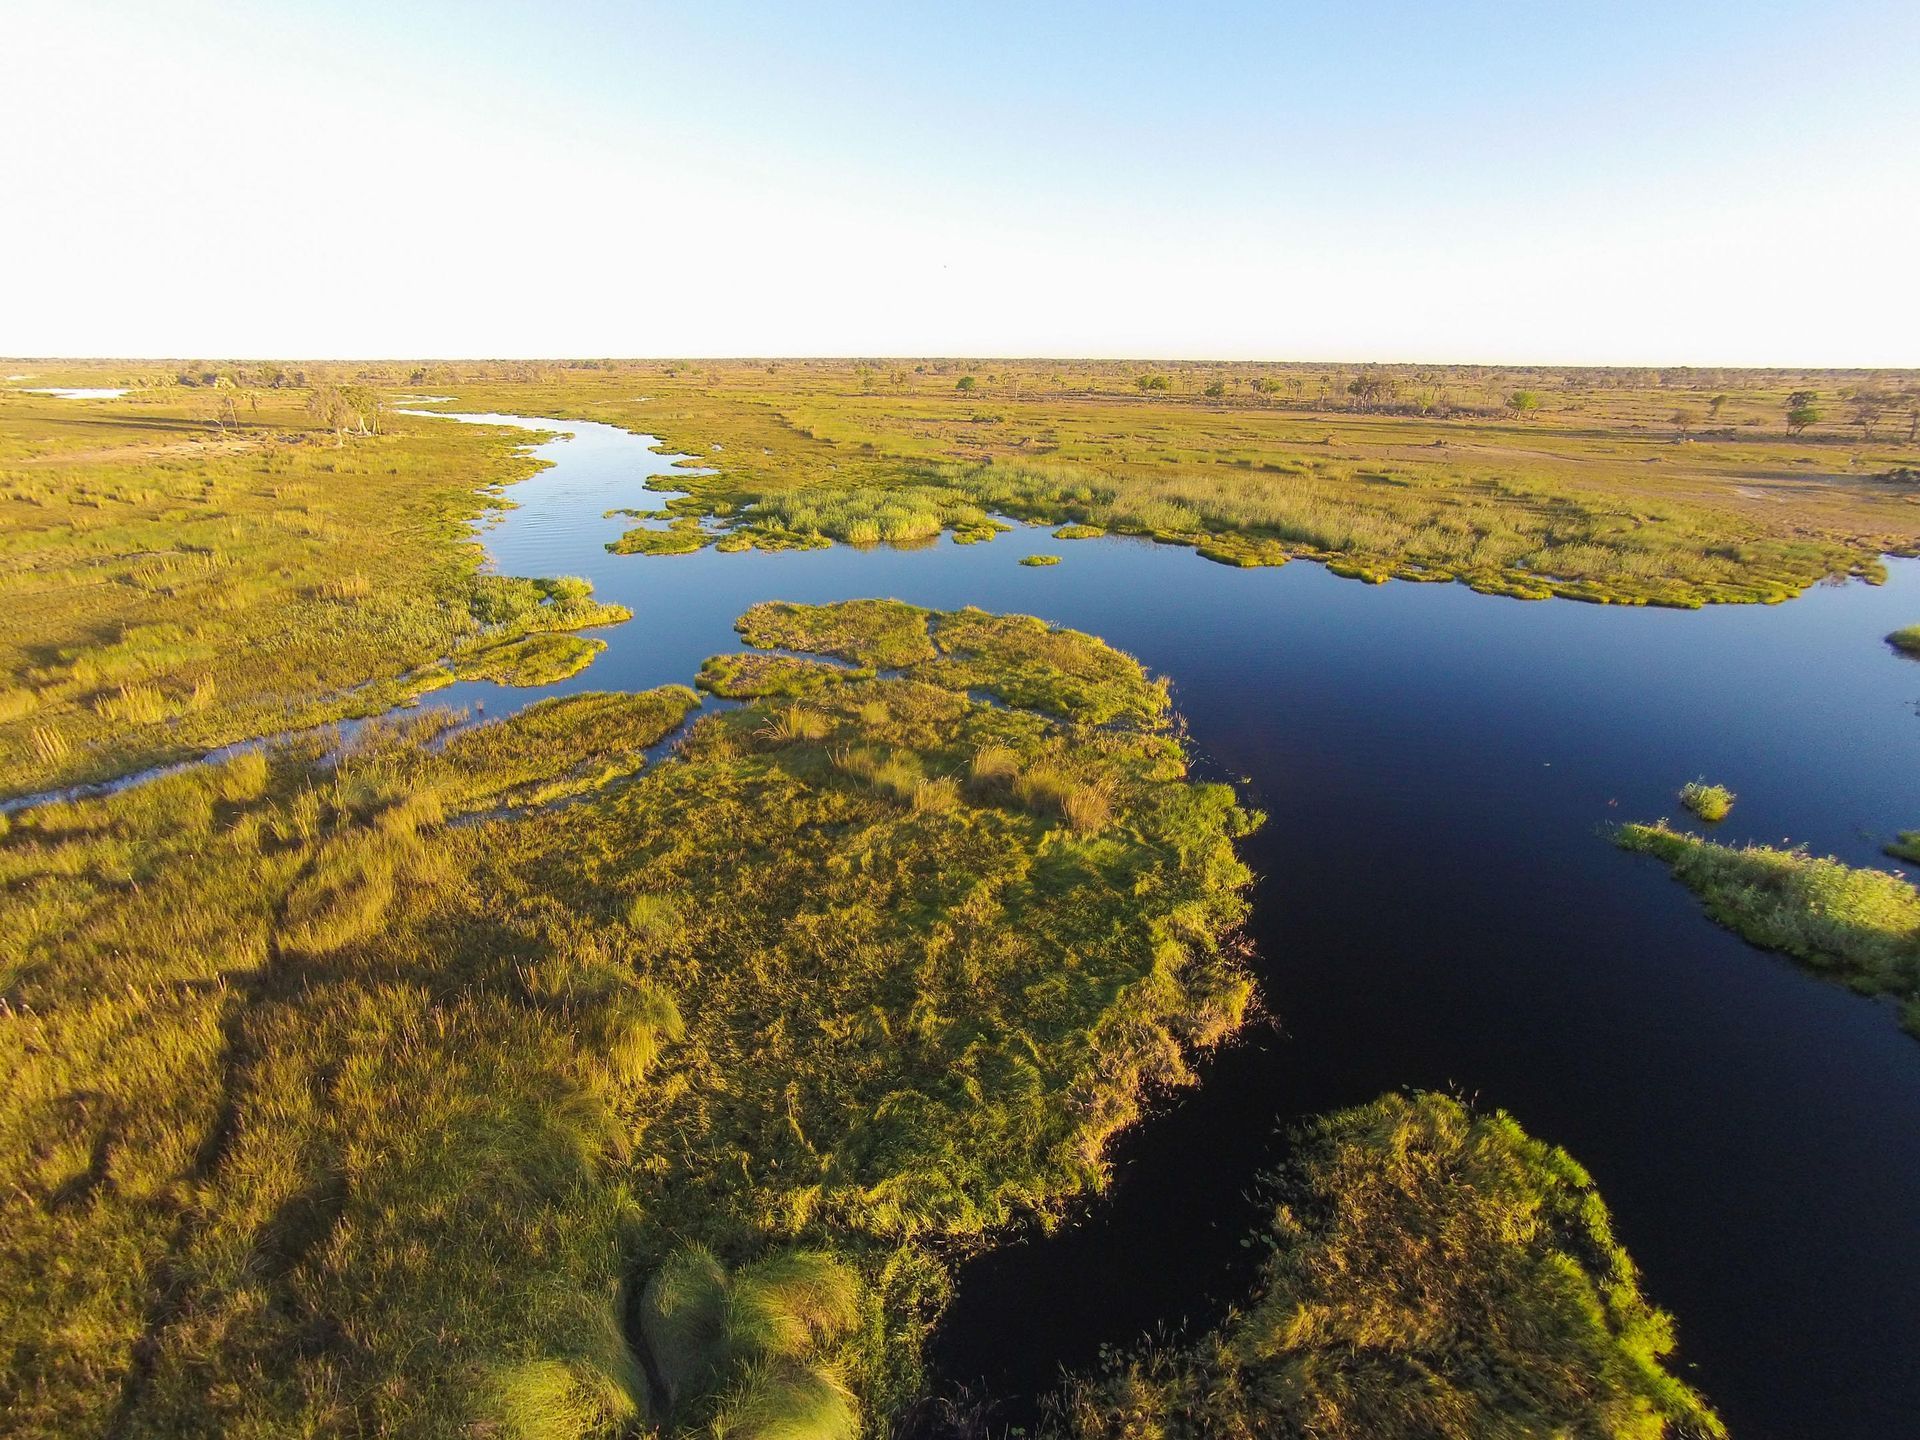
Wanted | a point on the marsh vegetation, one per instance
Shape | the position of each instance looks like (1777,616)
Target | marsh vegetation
(853,978)
(1429,1272)
(715,1065)
(1424,473)
(1860,926)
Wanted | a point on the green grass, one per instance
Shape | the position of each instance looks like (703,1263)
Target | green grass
(1906,641)
(680,537)
(1432,1274)
(1906,847)
(750,676)
(1039,560)
(885,634)
(530,660)
(374,1095)
(1712,803)
(1858,926)
(171,587)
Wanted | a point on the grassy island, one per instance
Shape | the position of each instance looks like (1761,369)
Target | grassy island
(1432,1274)
(1712,803)
(1858,926)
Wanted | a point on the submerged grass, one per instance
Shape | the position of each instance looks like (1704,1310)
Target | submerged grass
(1859,926)
(1433,1275)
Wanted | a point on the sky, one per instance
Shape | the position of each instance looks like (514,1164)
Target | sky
(1685,182)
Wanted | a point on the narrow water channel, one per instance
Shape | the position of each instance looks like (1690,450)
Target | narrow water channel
(1438,906)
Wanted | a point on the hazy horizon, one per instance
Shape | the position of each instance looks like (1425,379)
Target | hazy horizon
(1625,185)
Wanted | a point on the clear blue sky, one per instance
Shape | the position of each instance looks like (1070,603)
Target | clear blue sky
(1628,182)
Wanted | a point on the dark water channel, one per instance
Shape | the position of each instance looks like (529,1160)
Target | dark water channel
(1438,907)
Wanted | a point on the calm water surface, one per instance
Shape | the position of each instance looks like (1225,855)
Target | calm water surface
(1438,907)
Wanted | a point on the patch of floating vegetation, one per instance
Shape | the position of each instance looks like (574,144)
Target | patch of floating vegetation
(1431,1272)
(1857,925)
(1712,803)
(1078,532)
(1905,847)
(1906,640)
(401,1078)
(1039,560)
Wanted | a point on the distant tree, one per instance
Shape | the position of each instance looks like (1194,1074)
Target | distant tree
(1684,421)
(965,382)
(1910,401)
(1716,405)
(1153,382)
(1864,408)
(1216,389)
(1523,402)
(1802,410)
(864,374)
(348,410)
(1372,386)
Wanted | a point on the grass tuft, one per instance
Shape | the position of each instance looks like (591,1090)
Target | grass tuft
(1712,803)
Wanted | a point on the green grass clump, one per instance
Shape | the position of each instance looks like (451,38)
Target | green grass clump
(886,634)
(678,537)
(1078,532)
(173,586)
(1712,803)
(1859,926)
(1906,641)
(1906,846)
(540,659)
(1434,1275)
(1038,560)
(751,1352)
(749,676)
